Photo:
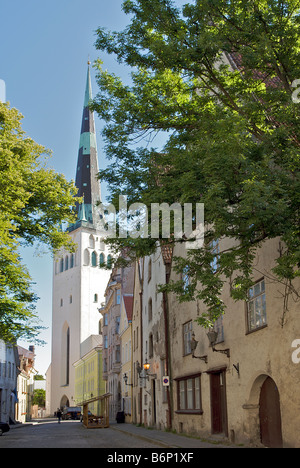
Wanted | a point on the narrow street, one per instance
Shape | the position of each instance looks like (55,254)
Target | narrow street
(71,434)
(68,434)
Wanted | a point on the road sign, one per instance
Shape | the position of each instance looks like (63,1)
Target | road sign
(166,381)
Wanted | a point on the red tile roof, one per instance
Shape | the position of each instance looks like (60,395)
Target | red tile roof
(128,302)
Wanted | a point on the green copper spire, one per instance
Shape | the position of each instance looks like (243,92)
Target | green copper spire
(87,164)
(88,88)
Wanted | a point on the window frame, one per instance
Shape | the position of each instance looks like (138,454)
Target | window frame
(187,350)
(252,300)
(182,391)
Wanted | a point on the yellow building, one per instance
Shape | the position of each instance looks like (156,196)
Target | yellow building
(126,356)
(89,381)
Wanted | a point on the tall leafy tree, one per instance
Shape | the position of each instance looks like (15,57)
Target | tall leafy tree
(34,201)
(217,78)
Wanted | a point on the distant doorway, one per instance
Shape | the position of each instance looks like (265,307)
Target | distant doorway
(270,415)
(64,402)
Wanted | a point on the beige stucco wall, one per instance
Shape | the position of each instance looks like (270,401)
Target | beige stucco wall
(265,352)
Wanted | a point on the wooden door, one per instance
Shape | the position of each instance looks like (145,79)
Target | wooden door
(218,403)
(270,415)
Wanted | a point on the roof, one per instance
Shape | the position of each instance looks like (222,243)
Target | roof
(128,302)
(86,179)
(167,253)
(237,59)
(25,353)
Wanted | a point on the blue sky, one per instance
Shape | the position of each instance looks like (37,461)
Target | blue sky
(44,48)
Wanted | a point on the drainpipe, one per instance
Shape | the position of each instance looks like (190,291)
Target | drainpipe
(167,348)
(141,276)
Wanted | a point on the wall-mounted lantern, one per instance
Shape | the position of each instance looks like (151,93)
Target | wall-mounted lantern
(125,377)
(212,338)
(144,371)
(194,344)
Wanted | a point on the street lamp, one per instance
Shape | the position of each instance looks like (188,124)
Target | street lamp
(143,371)
(212,338)
(125,377)
(146,366)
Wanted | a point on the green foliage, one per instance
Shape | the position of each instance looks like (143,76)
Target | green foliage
(232,134)
(34,201)
(39,398)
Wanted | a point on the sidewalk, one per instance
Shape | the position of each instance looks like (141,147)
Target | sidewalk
(168,439)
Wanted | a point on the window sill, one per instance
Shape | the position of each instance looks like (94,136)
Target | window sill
(192,411)
(249,332)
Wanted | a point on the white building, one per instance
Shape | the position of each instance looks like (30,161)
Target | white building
(155,408)
(9,363)
(78,281)
(25,386)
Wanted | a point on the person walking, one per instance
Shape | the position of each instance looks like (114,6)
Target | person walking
(58,414)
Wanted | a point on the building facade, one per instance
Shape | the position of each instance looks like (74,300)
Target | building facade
(9,363)
(89,381)
(155,408)
(120,284)
(26,382)
(239,383)
(126,355)
(240,386)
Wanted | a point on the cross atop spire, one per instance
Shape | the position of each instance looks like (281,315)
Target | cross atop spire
(87,164)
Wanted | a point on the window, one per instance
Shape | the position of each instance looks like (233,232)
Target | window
(95,297)
(218,327)
(94,259)
(61,265)
(105,320)
(101,260)
(215,250)
(72,261)
(86,257)
(109,261)
(118,354)
(150,345)
(66,263)
(150,309)
(187,338)
(118,296)
(185,278)
(118,324)
(256,306)
(189,394)
(149,269)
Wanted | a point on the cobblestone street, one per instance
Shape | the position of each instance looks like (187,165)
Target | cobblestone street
(71,434)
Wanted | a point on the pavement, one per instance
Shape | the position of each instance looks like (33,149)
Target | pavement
(161,438)
(170,439)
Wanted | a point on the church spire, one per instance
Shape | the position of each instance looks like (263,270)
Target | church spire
(87,164)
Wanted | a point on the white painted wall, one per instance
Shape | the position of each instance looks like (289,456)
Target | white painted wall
(75,306)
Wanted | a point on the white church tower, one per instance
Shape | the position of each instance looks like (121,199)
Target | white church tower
(78,281)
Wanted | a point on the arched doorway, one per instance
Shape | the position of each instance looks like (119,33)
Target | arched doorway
(64,402)
(270,415)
